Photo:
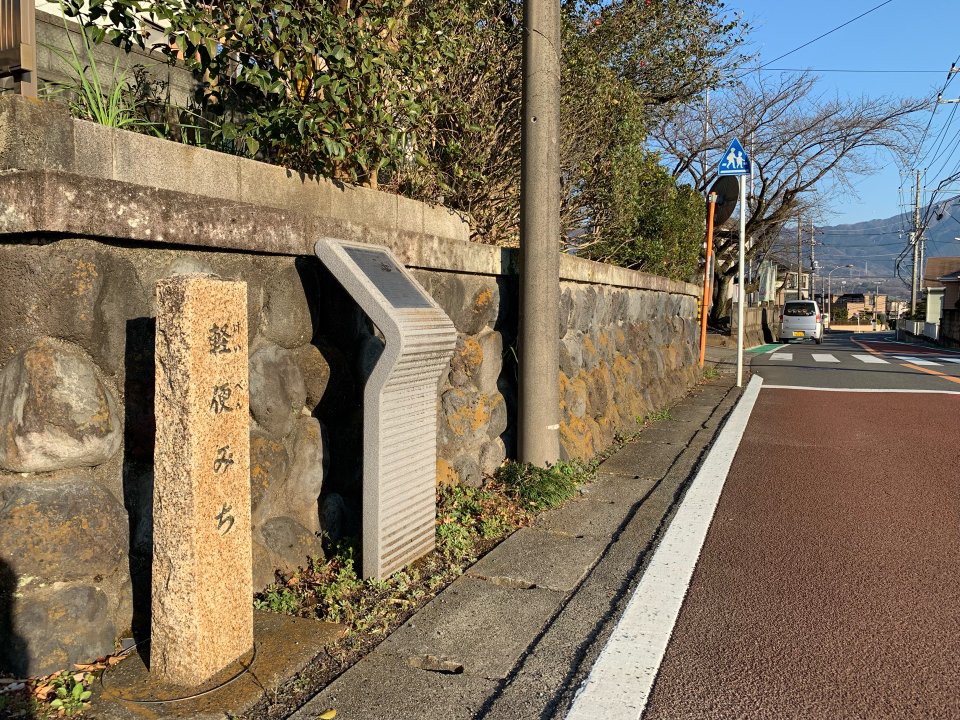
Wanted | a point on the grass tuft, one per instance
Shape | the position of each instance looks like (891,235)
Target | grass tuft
(538,489)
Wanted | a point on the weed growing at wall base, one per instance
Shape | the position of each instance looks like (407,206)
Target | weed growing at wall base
(470,521)
(656,416)
(539,489)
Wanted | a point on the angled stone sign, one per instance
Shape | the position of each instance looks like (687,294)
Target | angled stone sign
(399,403)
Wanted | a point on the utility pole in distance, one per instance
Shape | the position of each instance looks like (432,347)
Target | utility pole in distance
(539,411)
(921,240)
(813,263)
(799,256)
(915,284)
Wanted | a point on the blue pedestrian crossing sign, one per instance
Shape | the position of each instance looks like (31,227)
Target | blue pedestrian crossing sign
(734,160)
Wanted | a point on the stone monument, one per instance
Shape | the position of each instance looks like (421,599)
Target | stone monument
(202,611)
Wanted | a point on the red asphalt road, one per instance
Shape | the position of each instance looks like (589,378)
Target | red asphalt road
(903,349)
(829,582)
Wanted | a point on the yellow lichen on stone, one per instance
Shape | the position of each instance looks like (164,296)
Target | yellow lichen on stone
(588,345)
(484,298)
(470,416)
(446,475)
(84,277)
(577,438)
(471,354)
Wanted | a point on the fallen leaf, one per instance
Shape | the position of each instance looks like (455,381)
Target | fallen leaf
(327,714)
(114,659)
(43,692)
(89,667)
(78,677)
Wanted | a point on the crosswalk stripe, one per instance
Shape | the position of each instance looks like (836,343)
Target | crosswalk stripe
(824,357)
(782,356)
(916,360)
(871,359)
(949,360)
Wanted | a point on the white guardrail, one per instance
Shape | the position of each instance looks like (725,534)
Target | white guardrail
(909,326)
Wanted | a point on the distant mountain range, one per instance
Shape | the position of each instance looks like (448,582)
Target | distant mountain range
(872,248)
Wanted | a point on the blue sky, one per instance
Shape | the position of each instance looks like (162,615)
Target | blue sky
(903,35)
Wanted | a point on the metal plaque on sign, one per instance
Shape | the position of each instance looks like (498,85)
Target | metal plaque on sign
(399,403)
(389,277)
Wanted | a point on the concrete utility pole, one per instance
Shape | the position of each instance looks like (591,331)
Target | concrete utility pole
(813,263)
(539,439)
(799,256)
(917,279)
(923,242)
(876,296)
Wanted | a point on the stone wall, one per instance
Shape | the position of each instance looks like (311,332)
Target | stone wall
(950,328)
(82,245)
(623,354)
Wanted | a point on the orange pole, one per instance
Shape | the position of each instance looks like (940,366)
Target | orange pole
(711,204)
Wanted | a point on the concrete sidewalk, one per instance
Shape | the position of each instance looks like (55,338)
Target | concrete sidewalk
(519,632)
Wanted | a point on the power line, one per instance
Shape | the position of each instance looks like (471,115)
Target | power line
(860,247)
(933,112)
(820,37)
(855,233)
(840,70)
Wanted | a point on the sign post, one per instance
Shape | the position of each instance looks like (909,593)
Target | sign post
(735,162)
(704,305)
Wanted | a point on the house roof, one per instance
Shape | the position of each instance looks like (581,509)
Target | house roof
(938,267)
(950,278)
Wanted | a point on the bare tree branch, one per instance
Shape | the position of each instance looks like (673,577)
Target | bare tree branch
(796,138)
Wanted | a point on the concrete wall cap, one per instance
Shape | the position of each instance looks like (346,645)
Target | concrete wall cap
(78,177)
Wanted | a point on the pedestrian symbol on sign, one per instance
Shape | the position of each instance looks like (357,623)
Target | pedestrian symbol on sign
(735,160)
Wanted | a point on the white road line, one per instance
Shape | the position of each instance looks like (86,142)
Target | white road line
(949,360)
(620,681)
(916,360)
(782,356)
(861,390)
(824,357)
(871,359)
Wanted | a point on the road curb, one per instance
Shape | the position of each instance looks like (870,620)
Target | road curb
(621,680)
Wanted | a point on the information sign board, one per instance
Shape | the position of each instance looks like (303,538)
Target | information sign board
(399,402)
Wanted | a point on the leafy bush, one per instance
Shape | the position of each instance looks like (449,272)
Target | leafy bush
(335,89)
(424,98)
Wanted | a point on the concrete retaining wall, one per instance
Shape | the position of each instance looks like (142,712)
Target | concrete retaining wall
(761,325)
(91,218)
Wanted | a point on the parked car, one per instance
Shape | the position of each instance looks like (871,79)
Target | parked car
(801,320)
